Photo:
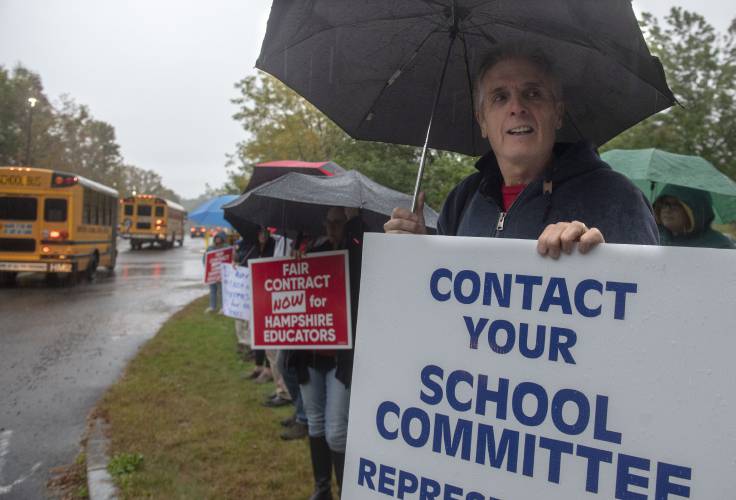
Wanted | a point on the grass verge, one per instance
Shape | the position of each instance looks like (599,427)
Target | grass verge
(69,482)
(199,429)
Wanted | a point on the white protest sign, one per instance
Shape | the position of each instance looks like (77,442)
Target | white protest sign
(236,291)
(483,370)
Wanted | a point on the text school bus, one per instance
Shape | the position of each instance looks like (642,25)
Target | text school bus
(146,218)
(55,222)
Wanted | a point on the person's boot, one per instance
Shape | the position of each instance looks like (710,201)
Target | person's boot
(321,468)
(338,461)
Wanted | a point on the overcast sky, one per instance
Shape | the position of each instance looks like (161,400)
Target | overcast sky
(162,71)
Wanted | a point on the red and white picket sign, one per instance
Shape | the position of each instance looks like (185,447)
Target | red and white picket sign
(212,261)
(301,304)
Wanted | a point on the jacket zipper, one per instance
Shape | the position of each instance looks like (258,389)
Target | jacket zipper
(503,215)
(499,224)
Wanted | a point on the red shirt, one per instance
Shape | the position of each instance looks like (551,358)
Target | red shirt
(510,193)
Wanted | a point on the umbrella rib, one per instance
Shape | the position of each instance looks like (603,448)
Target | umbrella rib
(470,89)
(425,17)
(396,75)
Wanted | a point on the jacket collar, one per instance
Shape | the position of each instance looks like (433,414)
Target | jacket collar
(568,160)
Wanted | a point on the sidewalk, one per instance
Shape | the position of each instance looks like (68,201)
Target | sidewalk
(185,406)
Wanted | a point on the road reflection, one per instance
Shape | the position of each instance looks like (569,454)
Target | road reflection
(62,345)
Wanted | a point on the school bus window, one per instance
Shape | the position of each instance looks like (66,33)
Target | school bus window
(87,208)
(128,209)
(18,208)
(144,210)
(54,210)
(98,214)
(112,205)
(159,211)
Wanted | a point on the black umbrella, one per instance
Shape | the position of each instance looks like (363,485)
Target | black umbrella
(270,170)
(378,68)
(267,171)
(300,202)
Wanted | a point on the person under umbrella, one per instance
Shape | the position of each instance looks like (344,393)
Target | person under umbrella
(652,169)
(401,72)
(684,216)
(324,375)
(529,185)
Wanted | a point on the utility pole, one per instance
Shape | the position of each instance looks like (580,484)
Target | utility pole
(32,101)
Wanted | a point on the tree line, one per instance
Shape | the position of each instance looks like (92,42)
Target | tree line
(700,65)
(64,136)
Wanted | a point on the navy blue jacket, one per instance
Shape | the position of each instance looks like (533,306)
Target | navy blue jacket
(578,185)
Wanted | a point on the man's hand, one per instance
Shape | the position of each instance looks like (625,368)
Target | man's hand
(405,222)
(561,237)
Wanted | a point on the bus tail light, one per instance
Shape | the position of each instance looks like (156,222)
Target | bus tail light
(58,235)
(160,222)
(45,249)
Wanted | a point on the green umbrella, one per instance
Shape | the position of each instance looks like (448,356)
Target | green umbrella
(651,169)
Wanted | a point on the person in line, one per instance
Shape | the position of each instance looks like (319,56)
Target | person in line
(268,247)
(215,288)
(295,426)
(264,247)
(243,250)
(325,375)
(528,185)
(684,216)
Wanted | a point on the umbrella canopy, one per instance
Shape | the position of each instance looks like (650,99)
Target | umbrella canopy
(210,212)
(651,169)
(375,67)
(270,170)
(300,202)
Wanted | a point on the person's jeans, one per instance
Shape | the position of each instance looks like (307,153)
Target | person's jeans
(214,292)
(291,380)
(326,401)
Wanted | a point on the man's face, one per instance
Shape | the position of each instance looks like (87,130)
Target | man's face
(520,113)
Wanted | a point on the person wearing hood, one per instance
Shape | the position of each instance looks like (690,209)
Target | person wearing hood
(684,216)
(215,288)
(528,186)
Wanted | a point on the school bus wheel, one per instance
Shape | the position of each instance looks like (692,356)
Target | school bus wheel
(92,266)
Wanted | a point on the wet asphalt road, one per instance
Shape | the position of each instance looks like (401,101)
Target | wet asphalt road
(62,346)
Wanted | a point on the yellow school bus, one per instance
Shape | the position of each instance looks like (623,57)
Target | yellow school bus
(55,222)
(146,218)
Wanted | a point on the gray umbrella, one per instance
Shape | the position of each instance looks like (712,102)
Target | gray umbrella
(299,202)
(383,70)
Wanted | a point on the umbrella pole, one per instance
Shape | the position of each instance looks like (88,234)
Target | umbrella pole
(423,159)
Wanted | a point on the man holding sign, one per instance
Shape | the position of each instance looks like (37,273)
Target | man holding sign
(528,186)
(446,429)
